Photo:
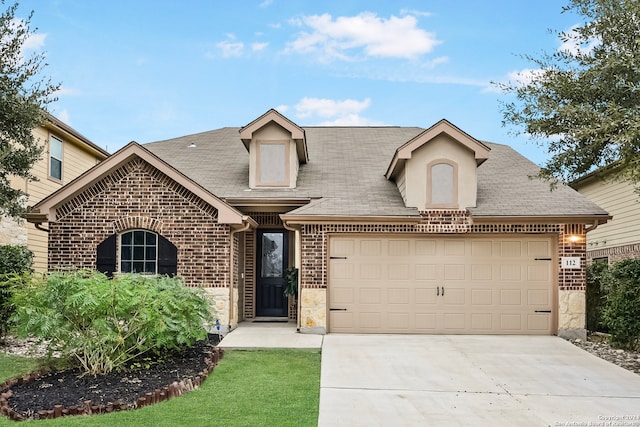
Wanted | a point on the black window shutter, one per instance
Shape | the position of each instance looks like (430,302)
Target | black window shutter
(106,256)
(167,257)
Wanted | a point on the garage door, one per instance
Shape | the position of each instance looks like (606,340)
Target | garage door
(440,285)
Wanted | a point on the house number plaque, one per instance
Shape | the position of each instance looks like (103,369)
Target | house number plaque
(568,262)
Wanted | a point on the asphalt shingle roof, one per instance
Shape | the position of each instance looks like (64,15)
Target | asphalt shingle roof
(346,170)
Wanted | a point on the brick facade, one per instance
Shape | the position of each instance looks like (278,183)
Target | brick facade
(315,242)
(615,254)
(136,195)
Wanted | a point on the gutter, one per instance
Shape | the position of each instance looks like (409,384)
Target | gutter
(298,264)
(37,219)
(247,222)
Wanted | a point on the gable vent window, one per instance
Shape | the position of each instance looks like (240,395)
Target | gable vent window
(442,177)
(273,163)
(55,158)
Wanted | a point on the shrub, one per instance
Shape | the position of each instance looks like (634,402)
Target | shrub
(102,324)
(596,296)
(14,262)
(622,311)
(15,259)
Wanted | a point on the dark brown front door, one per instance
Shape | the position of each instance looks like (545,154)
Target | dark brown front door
(273,255)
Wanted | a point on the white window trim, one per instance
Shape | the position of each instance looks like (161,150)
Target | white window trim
(61,160)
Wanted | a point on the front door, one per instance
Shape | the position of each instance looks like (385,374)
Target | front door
(273,255)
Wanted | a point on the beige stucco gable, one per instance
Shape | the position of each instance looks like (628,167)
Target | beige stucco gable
(46,210)
(277,147)
(437,168)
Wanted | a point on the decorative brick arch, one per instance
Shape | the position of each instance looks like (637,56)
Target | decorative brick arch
(142,222)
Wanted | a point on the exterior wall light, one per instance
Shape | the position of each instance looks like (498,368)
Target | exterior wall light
(574,238)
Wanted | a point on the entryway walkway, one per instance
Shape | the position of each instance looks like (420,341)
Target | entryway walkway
(255,335)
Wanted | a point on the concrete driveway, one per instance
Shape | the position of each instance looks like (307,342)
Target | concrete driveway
(436,380)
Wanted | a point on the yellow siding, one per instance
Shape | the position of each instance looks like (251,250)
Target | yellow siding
(76,160)
(621,201)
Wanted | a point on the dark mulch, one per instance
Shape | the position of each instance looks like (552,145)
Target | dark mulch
(68,388)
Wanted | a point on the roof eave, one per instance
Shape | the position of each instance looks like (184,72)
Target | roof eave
(342,219)
(48,206)
(542,219)
(59,125)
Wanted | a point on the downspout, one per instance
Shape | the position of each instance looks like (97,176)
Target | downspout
(593,227)
(298,264)
(39,226)
(247,223)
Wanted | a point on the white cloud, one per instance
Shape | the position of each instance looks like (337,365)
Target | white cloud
(266,3)
(351,120)
(67,91)
(34,41)
(339,38)
(330,112)
(415,12)
(326,108)
(574,45)
(257,47)
(64,116)
(517,78)
(230,47)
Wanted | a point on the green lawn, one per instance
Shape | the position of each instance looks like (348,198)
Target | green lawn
(248,388)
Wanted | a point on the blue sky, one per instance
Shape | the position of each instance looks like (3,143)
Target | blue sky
(151,70)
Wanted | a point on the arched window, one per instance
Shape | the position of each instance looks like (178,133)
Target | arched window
(137,251)
(442,184)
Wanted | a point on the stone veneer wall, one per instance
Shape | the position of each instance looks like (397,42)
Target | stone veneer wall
(571,283)
(12,232)
(136,195)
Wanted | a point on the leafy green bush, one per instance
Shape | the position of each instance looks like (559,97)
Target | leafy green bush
(622,311)
(103,324)
(15,259)
(14,262)
(596,296)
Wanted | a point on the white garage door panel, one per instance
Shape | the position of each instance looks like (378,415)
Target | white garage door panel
(440,285)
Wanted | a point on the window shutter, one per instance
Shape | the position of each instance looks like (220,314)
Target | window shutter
(106,256)
(167,257)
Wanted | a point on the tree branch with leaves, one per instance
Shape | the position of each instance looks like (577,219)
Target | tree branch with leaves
(582,102)
(24,96)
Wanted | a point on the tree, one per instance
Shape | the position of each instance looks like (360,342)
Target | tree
(583,101)
(24,95)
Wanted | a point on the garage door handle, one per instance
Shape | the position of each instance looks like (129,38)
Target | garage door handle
(438,291)
(543,311)
(337,257)
(337,309)
(443,291)
(542,259)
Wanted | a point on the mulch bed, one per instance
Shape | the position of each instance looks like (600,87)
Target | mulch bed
(54,394)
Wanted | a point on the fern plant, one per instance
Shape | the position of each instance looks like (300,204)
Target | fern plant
(103,324)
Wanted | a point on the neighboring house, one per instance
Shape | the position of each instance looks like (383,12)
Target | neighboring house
(393,229)
(66,155)
(620,238)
